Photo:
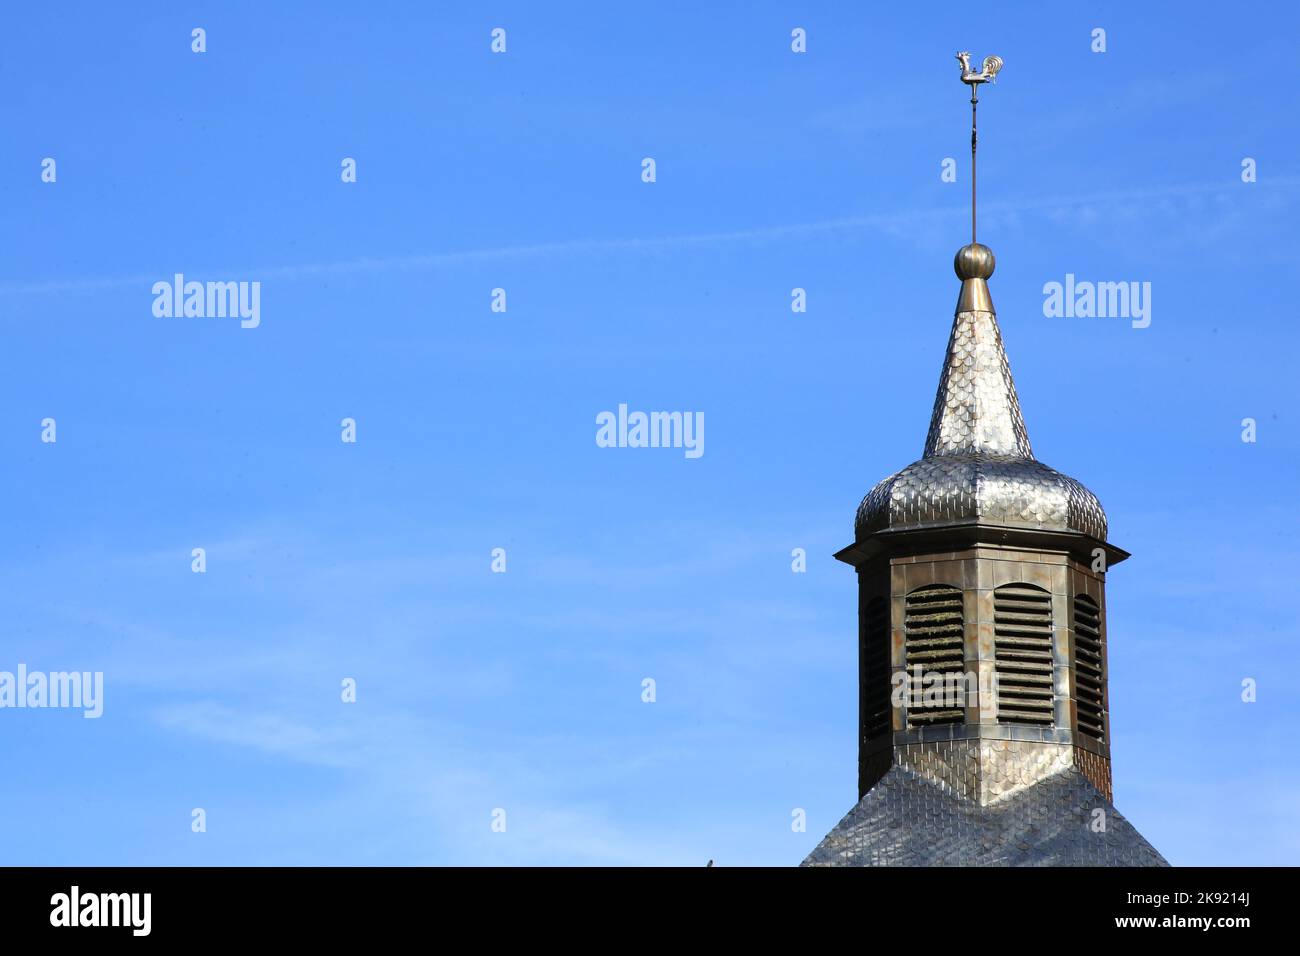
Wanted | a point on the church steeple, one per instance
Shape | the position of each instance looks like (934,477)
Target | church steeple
(984,731)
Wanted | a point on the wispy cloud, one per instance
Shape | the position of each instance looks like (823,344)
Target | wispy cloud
(419,746)
(1154,200)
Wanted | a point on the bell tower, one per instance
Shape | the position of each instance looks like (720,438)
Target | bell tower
(981,589)
(983,711)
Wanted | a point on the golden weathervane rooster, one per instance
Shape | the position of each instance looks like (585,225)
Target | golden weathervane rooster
(992,64)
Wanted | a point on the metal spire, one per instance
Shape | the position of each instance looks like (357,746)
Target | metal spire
(976,411)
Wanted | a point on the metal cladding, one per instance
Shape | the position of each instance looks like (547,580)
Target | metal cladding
(978,464)
(909,820)
(976,410)
(1003,490)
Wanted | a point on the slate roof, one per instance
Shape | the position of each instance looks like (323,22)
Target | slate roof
(907,820)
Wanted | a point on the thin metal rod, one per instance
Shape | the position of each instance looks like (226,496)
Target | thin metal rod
(973,139)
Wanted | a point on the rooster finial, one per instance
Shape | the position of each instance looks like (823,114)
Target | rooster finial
(989,72)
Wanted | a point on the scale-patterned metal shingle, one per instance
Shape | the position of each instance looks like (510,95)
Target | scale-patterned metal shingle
(908,820)
(978,464)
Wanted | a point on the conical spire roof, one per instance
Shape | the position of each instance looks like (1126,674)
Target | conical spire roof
(978,467)
(976,410)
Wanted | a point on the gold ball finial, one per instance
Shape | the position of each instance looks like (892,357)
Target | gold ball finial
(974,261)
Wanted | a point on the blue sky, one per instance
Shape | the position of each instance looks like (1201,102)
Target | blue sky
(476,429)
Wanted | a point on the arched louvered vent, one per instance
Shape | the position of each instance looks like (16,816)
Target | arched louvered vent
(874,679)
(1022,650)
(1089,681)
(935,631)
